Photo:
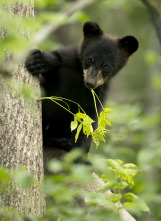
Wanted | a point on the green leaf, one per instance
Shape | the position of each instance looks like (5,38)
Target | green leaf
(74,124)
(78,131)
(81,115)
(137,202)
(121,185)
(106,109)
(129,165)
(107,186)
(24,178)
(28,218)
(87,126)
(4,175)
(123,172)
(94,199)
(115,197)
(86,123)
(98,135)
(55,166)
(102,121)
(114,163)
(72,156)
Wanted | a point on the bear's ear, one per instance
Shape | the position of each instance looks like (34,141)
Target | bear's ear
(91,29)
(129,43)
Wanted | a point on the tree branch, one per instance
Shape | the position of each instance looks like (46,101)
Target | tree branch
(154,8)
(47,29)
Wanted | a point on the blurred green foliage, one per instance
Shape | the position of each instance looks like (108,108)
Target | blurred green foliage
(17,29)
(65,189)
(135,94)
(136,108)
(129,141)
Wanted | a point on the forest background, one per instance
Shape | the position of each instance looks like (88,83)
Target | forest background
(135,94)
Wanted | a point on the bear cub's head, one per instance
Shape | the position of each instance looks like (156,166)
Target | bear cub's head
(103,55)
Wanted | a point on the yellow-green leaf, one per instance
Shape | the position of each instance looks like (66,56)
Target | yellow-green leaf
(106,109)
(78,131)
(74,125)
(81,115)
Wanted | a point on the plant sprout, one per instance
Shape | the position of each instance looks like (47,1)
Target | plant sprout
(82,121)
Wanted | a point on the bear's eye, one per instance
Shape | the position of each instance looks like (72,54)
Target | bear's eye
(106,68)
(89,61)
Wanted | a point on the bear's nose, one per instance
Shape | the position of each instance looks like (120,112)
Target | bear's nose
(90,85)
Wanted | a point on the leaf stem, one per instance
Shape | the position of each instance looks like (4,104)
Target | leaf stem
(59,99)
(55,97)
(52,98)
(94,101)
(97,98)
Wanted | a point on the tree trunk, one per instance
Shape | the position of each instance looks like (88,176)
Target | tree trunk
(20,133)
(154,8)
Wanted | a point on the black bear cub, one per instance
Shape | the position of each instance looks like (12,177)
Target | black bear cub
(70,73)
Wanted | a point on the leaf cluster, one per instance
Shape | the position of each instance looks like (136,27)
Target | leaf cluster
(64,190)
(101,131)
(119,176)
(83,122)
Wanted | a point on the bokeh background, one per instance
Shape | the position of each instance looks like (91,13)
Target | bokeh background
(135,94)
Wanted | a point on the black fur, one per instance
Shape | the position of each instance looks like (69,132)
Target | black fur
(61,74)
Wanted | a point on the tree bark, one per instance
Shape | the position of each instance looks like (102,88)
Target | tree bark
(154,7)
(20,133)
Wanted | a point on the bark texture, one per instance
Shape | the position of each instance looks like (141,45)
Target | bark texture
(20,133)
